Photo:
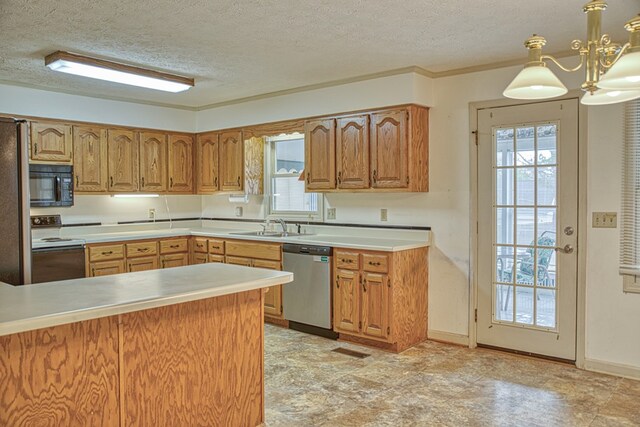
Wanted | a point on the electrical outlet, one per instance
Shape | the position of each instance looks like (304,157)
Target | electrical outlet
(238,211)
(331,213)
(604,220)
(383,214)
(152,214)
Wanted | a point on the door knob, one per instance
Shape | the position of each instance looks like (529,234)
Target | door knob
(568,230)
(567,249)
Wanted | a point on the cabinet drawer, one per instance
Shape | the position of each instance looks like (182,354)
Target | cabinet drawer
(375,263)
(141,249)
(254,250)
(173,246)
(347,260)
(270,265)
(106,252)
(216,258)
(200,245)
(216,246)
(238,261)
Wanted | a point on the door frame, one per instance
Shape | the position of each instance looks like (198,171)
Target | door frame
(474,107)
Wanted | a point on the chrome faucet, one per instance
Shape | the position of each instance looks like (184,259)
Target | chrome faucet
(284,226)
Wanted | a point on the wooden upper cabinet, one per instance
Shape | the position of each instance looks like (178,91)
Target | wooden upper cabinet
(51,142)
(231,161)
(90,159)
(389,149)
(153,162)
(207,160)
(352,151)
(122,160)
(181,163)
(320,154)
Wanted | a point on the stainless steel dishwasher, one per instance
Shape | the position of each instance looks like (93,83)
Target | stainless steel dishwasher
(307,300)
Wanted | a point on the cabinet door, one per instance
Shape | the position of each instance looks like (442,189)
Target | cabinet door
(346,296)
(238,260)
(352,152)
(106,268)
(153,162)
(51,142)
(180,163)
(320,154)
(90,159)
(375,305)
(273,298)
(142,264)
(207,171)
(199,258)
(216,258)
(231,161)
(389,150)
(122,160)
(174,260)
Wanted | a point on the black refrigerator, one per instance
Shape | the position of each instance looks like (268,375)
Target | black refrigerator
(15,235)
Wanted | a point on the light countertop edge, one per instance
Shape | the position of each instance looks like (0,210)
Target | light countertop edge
(261,279)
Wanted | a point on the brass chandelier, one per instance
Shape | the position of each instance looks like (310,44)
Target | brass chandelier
(612,71)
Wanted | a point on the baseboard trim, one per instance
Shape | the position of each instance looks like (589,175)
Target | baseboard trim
(448,337)
(611,368)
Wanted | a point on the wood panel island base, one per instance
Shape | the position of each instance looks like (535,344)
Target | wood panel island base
(193,359)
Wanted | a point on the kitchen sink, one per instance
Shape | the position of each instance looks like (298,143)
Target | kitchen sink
(268,234)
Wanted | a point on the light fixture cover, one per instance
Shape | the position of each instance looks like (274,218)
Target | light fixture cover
(114,72)
(606,97)
(535,82)
(624,75)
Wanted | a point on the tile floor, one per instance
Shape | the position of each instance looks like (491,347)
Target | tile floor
(306,384)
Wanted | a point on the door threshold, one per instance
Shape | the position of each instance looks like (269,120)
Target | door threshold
(528,354)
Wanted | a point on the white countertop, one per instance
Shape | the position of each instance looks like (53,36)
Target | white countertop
(349,242)
(25,308)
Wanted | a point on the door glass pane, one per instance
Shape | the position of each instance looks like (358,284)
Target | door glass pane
(504,147)
(525,234)
(525,147)
(504,186)
(504,225)
(504,303)
(524,305)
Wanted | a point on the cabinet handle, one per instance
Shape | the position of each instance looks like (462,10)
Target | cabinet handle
(338,282)
(339,177)
(215,182)
(162,263)
(364,285)
(35,148)
(111,181)
(238,181)
(375,176)
(77,180)
(143,249)
(308,172)
(374,263)
(171,182)
(174,246)
(107,253)
(93,272)
(142,179)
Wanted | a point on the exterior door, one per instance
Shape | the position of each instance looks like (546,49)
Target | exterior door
(527,234)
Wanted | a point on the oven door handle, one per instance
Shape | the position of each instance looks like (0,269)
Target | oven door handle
(58,189)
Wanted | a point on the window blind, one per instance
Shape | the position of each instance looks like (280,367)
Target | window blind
(630,210)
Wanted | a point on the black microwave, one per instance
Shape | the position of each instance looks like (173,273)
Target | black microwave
(51,185)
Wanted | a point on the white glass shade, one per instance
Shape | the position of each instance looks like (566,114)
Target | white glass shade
(624,75)
(605,97)
(535,82)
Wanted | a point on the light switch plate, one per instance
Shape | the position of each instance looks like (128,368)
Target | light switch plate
(152,213)
(331,213)
(238,211)
(604,220)
(383,214)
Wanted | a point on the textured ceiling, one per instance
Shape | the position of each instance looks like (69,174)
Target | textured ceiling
(242,48)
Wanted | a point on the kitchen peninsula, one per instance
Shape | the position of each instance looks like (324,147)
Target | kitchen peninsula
(182,346)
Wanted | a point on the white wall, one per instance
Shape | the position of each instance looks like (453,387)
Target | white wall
(111,210)
(23,101)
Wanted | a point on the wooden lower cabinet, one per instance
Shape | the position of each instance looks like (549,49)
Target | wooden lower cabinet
(174,260)
(380,298)
(199,258)
(106,268)
(142,264)
(216,258)
(238,260)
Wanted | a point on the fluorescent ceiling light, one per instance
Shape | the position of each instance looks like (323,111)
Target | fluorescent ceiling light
(135,196)
(85,66)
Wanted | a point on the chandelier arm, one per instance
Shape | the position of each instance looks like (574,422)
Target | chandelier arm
(606,64)
(562,67)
